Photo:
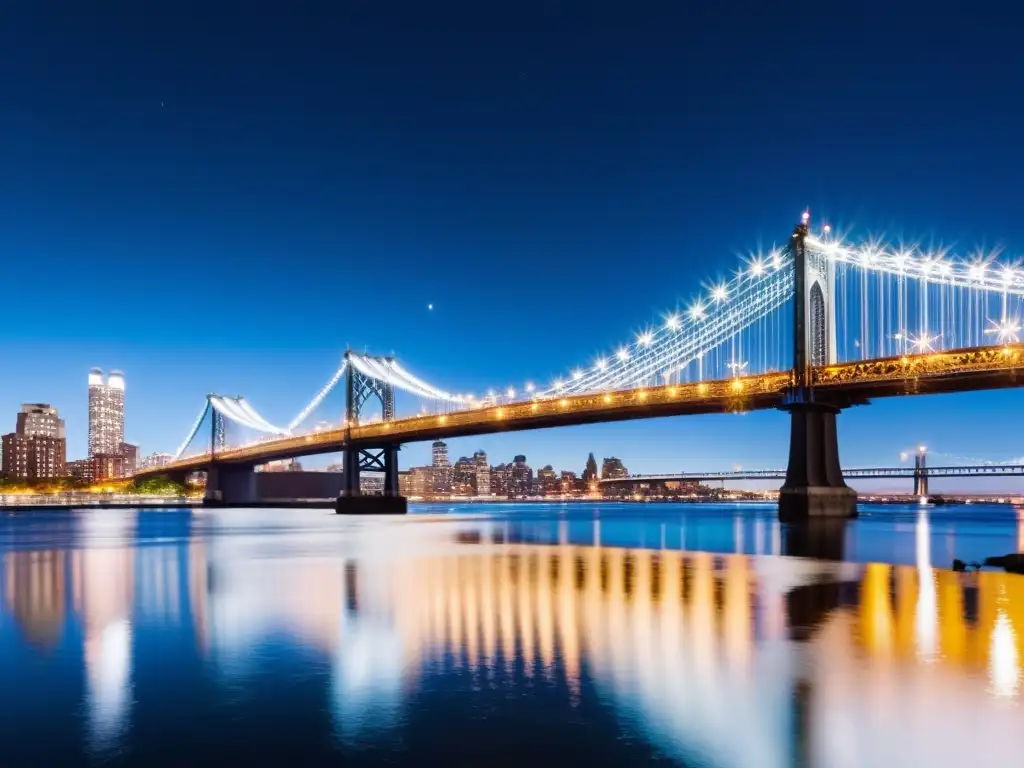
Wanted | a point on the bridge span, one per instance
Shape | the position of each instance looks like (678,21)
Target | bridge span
(692,365)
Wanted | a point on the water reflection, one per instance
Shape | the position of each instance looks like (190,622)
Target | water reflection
(812,661)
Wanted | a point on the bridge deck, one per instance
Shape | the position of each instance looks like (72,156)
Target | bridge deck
(844,384)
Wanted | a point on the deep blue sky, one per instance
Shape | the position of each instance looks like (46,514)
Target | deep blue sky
(223,199)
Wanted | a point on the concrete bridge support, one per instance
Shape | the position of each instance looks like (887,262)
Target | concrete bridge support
(814,486)
(230,485)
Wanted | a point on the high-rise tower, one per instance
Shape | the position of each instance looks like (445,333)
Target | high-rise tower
(106,413)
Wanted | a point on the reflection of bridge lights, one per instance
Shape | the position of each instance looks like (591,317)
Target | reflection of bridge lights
(697,312)
(1006,331)
(623,354)
(672,322)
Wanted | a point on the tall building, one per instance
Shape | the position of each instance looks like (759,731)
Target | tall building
(547,480)
(499,480)
(442,467)
(36,449)
(464,476)
(590,471)
(612,468)
(130,454)
(522,478)
(482,484)
(106,413)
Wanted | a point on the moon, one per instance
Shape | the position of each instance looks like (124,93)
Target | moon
(430,306)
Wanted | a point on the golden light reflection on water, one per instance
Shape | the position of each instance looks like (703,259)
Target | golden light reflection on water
(871,662)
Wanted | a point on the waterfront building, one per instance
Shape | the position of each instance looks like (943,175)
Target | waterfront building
(547,480)
(130,454)
(464,477)
(590,470)
(80,470)
(33,458)
(107,466)
(106,413)
(36,449)
(521,481)
(499,480)
(482,478)
(442,467)
(154,460)
(39,420)
(613,469)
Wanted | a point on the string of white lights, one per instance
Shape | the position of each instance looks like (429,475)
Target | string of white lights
(730,307)
(247,407)
(234,410)
(192,432)
(315,402)
(981,272)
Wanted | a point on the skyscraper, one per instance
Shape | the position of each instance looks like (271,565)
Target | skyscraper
(590,471)
(106,413)
(483,474)
(442,467)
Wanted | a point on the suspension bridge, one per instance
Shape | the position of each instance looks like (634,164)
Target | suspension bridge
(813,327)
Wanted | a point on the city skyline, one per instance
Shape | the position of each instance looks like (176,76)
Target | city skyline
(491,245)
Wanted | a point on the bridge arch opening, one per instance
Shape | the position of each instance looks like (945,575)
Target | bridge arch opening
(818,341)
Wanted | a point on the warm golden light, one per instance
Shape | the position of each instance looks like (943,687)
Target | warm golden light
(737,385)
(607,398)
(534,407)
(641,395)
(563,402)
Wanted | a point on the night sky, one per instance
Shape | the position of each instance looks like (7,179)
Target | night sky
(223,199)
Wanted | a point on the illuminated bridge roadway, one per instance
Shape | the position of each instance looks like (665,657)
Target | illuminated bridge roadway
(811,328)
(843,384)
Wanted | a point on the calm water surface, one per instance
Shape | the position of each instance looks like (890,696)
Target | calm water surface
(501,634)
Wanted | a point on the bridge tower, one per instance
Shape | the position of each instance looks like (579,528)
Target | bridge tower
(921,473)
(814,485)
(362,390)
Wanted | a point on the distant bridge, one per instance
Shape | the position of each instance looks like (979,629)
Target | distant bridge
(997,470)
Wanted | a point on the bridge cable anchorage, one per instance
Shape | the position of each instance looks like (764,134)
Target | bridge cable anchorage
(192,432)
(315,402)
(754,294)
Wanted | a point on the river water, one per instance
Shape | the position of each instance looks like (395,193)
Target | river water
(509,634)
